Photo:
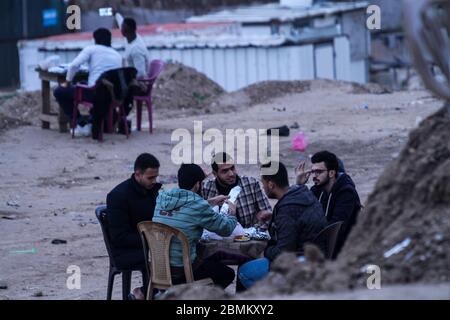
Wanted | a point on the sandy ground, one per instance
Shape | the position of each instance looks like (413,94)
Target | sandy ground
(51,184)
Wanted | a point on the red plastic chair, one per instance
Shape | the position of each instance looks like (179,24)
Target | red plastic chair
(156,67)
(79,100)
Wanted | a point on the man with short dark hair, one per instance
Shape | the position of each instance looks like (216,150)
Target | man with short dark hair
(335,190)
(100,58)
(129,203)
(136,53)
(297,219)
(253,207)
(184,208)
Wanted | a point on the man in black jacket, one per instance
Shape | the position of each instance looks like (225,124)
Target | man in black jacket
(336,192)
(297,218)
(129,203)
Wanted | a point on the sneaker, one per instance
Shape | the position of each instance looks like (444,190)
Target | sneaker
(84,131)
(87,130)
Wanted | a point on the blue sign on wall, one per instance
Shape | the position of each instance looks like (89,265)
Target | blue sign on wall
(49,17)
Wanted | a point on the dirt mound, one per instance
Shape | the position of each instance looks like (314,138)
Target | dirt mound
(7,123)
(22,108)
(180,87)
(372,88)
(267,90)
(261,92)
(410,205)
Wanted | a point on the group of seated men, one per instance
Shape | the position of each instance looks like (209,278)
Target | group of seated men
(297,218)
(101,58)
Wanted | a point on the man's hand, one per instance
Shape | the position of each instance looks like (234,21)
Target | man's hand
(65,84)
(218,200)
(302,175)
(232,208)
(264,216)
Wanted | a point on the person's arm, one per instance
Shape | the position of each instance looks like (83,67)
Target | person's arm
(302,176)
(223,225)
(217,200)
(123,235)
(286,234)
(83,57)
(119,19)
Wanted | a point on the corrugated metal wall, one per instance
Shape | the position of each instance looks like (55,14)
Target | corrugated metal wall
(234,68)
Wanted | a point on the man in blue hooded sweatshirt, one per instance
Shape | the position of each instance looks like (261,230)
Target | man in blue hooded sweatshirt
(185,209)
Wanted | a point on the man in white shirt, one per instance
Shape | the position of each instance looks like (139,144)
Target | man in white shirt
(100,58)
(136,54)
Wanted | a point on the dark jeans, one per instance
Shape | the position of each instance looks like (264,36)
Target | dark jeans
(211,267)
(65,98)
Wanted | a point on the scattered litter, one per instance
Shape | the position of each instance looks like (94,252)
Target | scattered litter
(10,217)
(3,285)
(299,142)
(408,256)
(13,203)
(397,248)
(295,125)
(283,131)
(438,237)
(58,241)
(418,120)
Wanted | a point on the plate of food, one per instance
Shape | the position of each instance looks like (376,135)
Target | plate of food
(242,238)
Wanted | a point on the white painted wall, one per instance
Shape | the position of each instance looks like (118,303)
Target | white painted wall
(324,61)
(342,59)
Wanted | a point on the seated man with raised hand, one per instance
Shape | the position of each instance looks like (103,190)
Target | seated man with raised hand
(183,208)
(335,190)
(297,219)
(253,207)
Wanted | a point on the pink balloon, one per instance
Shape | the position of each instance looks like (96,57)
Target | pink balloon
(299,142)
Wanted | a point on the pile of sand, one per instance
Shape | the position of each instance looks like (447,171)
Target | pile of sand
(23,108)
(180,88)
(404,229)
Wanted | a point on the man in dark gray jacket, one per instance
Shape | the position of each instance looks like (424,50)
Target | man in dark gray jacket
(297,218)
